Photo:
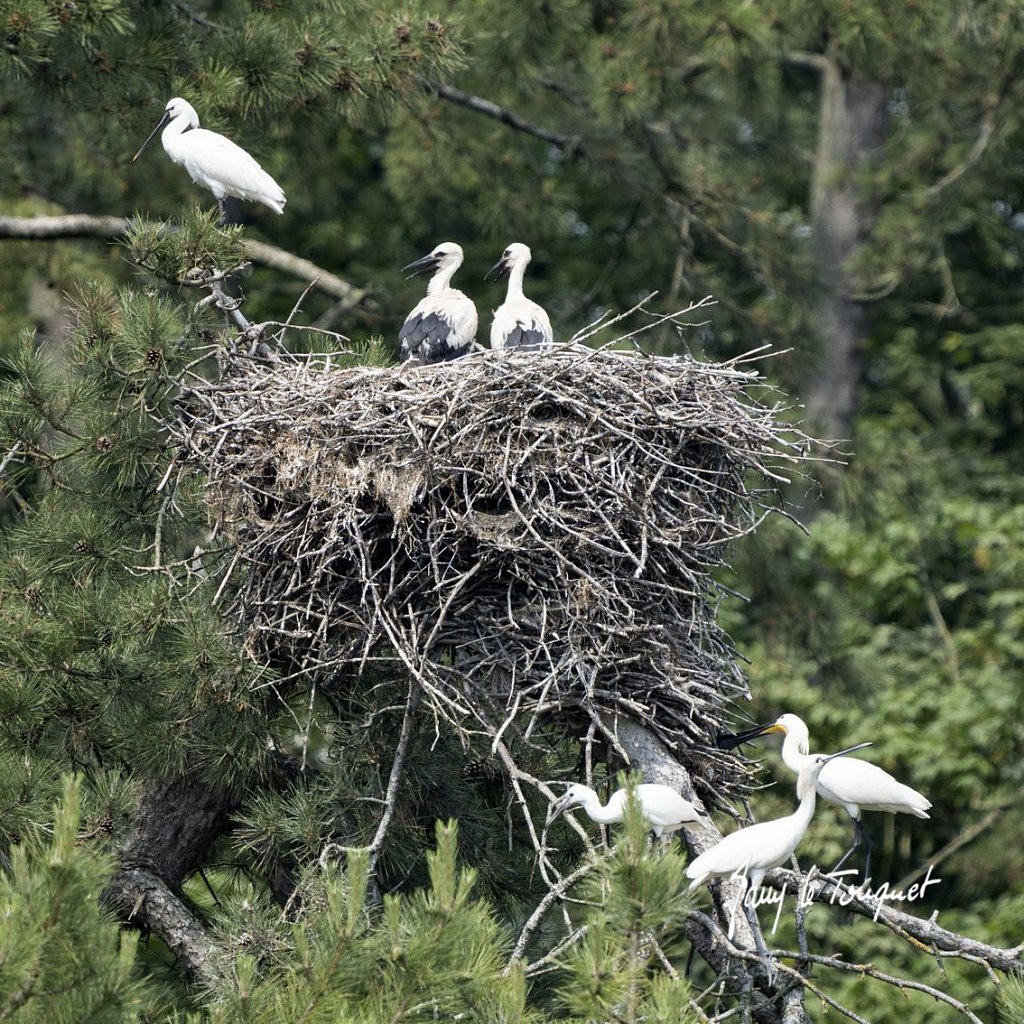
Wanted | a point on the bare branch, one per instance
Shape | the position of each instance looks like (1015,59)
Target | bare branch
(288,263)
(542,908)
(194,16)
(81,225)
(924,935)
(960,840)
(986,129)
(397,767)
(806,59)
(489,109)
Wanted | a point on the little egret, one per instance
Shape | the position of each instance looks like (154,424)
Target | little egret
(519,323)
(661,805)
(750,852)
(853,784)
(443,325)
(213,161)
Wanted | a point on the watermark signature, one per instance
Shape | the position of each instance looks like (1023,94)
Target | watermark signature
(842,895)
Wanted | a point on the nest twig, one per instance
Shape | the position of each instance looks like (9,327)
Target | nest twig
(531,537)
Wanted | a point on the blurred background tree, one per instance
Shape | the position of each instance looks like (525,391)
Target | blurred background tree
(844,181)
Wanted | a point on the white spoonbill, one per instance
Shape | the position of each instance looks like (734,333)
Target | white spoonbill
(750,852)
(853,784)
(519,323)
(213,161)
(443,325)
(661,805)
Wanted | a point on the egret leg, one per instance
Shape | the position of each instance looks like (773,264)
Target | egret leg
(867,858)
(223,211)
(858,831)
(762,950)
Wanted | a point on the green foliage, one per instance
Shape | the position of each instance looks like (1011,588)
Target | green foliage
(1011,1001)
(61,958)
(435,953)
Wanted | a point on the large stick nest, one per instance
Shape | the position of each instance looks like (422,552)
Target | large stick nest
(532,537)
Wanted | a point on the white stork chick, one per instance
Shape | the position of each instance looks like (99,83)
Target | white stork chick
(213,161)
(754,850)
(852,784)
(519,323)
(662,806)
(443,325)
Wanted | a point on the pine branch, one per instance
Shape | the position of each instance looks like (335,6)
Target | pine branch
(926,936)
(142,899)
(505,116)
(81,225)
(177,821)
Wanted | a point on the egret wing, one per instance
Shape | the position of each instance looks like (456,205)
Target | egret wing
(849,780)
(214,161)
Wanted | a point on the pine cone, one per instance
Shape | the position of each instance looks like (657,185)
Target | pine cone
(154,357)
(104,443)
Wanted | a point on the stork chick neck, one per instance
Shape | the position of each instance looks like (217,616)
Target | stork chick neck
(441,281)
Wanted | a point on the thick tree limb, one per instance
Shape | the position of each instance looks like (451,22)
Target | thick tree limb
(177,821)
(489,109)
(288,263)
(81,225)
(142,899)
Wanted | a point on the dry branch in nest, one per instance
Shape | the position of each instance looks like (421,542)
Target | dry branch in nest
(532,537)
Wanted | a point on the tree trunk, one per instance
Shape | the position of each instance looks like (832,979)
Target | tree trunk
(852,126)
(648,754)
(179,818)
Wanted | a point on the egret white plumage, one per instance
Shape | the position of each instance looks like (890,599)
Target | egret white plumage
(754,850)
(661,805)
(443,325)
(853,784)
(213,161)
(519,323)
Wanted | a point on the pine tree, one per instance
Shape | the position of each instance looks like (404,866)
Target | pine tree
(658,145)
(61,957)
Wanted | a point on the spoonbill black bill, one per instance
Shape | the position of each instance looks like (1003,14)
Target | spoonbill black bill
(853,784)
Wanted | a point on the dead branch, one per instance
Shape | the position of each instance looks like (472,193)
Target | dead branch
(81,225)
(925,935)
(395,779)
